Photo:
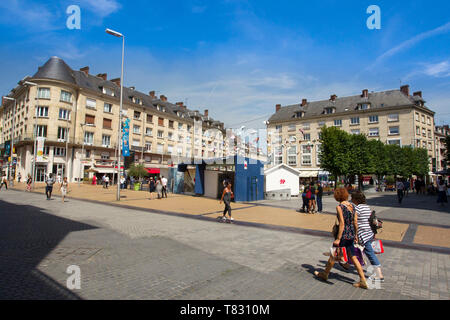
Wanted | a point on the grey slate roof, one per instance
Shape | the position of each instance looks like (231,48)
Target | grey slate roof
(377,100)
(55,68)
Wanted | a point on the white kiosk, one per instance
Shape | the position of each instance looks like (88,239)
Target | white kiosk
(282,177)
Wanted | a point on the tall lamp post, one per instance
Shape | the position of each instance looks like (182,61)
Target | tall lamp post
(32,84)
(10,178)
(119,134)
(82,154)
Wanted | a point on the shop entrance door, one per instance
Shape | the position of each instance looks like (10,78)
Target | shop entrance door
(224,176)
(41,173)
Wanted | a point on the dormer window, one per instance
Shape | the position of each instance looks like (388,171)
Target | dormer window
(299,114)
(137,100)
(108,91)
(363,106)
(329,110)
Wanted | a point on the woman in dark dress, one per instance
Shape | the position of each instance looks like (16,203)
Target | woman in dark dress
(151,187)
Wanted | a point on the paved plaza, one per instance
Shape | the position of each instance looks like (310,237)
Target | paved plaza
(143,253)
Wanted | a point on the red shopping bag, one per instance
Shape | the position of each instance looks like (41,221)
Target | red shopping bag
(339,253)
(377,246)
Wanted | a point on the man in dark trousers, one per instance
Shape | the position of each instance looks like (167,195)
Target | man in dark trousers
(319,196)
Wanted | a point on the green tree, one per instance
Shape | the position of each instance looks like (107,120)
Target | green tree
(335,152)
(379,159)
(361,158)
(137,171)
(421,162)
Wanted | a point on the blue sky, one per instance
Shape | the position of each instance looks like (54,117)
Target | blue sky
(239,58)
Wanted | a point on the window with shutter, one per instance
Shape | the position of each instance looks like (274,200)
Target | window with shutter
(161,122)
(89,119)
(107,123)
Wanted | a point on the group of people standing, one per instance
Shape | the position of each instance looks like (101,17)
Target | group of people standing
(353,227)
(158,185)
(312,196)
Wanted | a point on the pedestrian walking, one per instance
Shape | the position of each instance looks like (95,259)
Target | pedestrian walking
(345,236)
(227,195)
(312,200)
(399,186)
(64,188)
(50,181)
(29,181)
(365,234)
(442,193)
(159,188)
(106,181)
(319,195)
(103,180)
(164,187)
(19,177)
(151,187)
(4,183)
(405,188)
(94,180)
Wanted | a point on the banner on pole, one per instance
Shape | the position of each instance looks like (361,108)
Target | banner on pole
(126,138)
(40,149)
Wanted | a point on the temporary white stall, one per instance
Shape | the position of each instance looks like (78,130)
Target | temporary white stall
(282,177)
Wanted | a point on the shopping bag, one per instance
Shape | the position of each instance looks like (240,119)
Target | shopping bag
(339,253)
(359,255)
(377,246)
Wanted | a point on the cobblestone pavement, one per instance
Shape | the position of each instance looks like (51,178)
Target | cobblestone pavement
(132,254)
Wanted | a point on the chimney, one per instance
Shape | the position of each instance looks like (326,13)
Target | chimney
(133,88)
(102,75)
(418,94)
(206,112)
(152,94)
(304,102)
(405,90)
(365,93)
(116,81)
(163,98)
(333,97)
(277,107)
(85,70)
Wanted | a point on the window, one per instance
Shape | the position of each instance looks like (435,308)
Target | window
(428,120)
(108,91)
(306,126)
(88,153)
(88,137)
(59,152)
(170,124)
(105,156)
(149,118)
(418,130)
(417,116)
(66,96)
(364,106)
(41,131)
(299,114)
(148,132)
(394,141)
(42,112)
(424,144)
(106,140)
(44,93)
(161,122)
(393,117)
(160,148)
(292,138)
(423,119)
(170,136)
(62,133)
(394,130)
(292,156)
(148,146)
(180,126)
(424,132)
(355,131)
(429,133)
(306,154)
(307,137)
(169,149)
(160,134)
(46,150)
(179,151)
(137,115)
(136,129)
(430,146)
(373,132)
(107,123)
(107,107)
(318,152)
(64,114)
(354,120)
(278,156)
(90,120)
(373,119)
(329,110)
(338,123)
(137,100)
(278,127)
(321,124)
(135,143)
(189,127)
(291,127)
(91,103)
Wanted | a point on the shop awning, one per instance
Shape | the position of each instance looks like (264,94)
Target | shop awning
(153,170)
(309,174)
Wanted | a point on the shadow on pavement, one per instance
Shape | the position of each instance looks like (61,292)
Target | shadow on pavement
(27,235)
(412,201)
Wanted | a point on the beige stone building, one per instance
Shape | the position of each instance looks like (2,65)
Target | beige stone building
(440,133)
(393,117)
(78,114)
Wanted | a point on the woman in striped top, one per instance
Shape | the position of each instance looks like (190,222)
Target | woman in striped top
(365,233)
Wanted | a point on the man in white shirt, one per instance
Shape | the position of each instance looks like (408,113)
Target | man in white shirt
(400,186)
(106,182)
(164,185)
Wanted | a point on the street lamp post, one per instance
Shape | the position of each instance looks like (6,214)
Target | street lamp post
(11,181)
(119,134)
(35,130)
(82,154)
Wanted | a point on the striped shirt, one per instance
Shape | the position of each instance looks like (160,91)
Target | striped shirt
(365,233)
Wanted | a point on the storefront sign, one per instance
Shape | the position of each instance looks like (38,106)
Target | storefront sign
(40,149)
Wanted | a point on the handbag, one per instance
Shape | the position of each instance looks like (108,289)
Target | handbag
(359,255)
(339,254)
(377,246)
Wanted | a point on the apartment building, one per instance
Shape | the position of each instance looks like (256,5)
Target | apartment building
(440,133)
(78,115)
(393,117)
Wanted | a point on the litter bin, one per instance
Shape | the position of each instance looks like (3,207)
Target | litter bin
(137,186)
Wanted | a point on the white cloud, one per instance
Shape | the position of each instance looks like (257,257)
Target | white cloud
(102,8)
(33,16)
(441,69)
